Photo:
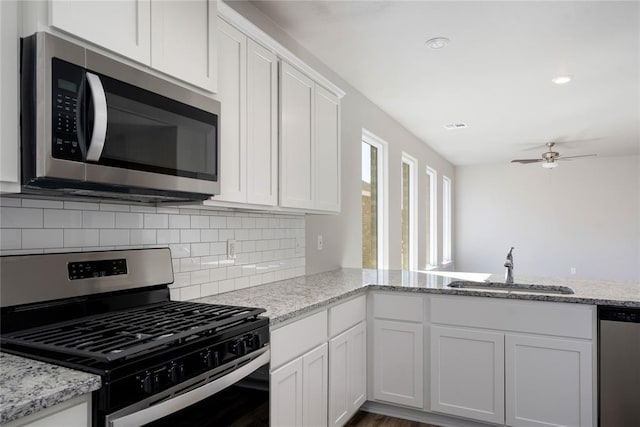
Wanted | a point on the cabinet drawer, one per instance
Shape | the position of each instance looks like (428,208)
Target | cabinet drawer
(297,338)
(548,318)
(408,308)
(347,314)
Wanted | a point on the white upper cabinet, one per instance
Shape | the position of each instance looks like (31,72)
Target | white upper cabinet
(247,75)
(327,172)
(9,106)
(174,37)
(121,26)
(183,40)
(296,138)
(309,143)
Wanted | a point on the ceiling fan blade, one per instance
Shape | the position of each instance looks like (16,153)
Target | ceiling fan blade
(525,161)
(575,157)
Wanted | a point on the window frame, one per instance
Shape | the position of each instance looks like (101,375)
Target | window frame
(383,190)
(447,218)
(412,162)
(432,215)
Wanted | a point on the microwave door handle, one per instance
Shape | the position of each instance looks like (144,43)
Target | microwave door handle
(99,132)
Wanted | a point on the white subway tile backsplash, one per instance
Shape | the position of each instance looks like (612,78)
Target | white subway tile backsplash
(129,220)
(91,219)
(269,246)
(189,236)
(11,217)
(41,203)
(114,237)
(143,237)
(156,221)
(60,218)
(179,221)
(10,238)
(82,237)
(199,221)
(41,238)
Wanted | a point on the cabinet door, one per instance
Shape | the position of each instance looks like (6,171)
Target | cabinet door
(549,381)
(398,362)
(120,26)
(296,138)
(232,48)
(9,105)
(262,125)
(286,394)
(347,374)
(314,387)
(184,40)
(467,373)
(327,152)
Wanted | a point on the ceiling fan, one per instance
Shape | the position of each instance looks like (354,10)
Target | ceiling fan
(550,158)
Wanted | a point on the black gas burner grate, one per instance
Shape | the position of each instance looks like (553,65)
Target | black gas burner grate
(119,335)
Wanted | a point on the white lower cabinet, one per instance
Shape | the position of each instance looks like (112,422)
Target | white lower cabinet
(347,374)
(398,362)
(299,391)
(467,369)
(548,381)
(72,413)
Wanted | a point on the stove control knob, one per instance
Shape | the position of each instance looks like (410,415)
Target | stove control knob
(176,373)
(146,383)
(210,359)
(256,341)
(156,383)
(239,347)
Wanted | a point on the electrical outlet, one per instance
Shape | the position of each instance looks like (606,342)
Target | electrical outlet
(573,270)
(231,249)
(320,242)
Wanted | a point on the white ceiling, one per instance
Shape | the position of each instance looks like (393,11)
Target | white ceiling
(495,75)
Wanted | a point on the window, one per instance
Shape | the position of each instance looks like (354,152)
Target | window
(408,213)
(432,231)
(373,189)
(446,220)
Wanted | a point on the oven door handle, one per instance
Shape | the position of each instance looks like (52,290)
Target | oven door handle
(99,133)
(179,402)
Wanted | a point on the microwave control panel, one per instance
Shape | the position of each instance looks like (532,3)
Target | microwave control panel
(65,87)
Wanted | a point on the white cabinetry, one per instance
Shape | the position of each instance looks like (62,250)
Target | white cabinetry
(398,356)
(247,75)
(299,391)
(174,37)
(516,362)
(9,106)
(549,381)
(309,143)
(470,373)
(72,413)
(299,376)
(347,361)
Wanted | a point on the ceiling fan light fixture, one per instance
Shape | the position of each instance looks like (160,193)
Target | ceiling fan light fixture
(437,42)
(561,80)
(549,165)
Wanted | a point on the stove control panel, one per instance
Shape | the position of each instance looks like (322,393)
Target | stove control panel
(91,269)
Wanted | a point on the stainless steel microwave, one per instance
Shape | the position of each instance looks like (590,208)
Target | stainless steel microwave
(92,126)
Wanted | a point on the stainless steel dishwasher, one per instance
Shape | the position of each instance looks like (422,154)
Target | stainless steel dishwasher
(619,366)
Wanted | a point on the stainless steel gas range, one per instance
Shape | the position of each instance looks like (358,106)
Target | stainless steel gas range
(162,362)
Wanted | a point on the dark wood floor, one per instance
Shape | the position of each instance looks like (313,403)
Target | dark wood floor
(366,419)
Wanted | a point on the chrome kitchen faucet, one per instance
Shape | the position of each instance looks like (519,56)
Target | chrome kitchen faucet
(509,264)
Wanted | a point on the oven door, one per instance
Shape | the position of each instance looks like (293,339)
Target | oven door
(236,397)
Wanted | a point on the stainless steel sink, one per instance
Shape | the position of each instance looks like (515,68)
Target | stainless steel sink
(512,288)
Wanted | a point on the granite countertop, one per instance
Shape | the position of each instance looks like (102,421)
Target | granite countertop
(293,297)
(28,386)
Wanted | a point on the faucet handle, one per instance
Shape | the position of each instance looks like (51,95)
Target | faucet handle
(509,256)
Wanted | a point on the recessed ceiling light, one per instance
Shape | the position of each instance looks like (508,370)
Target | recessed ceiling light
(437,42)
(560,80)
(454,126)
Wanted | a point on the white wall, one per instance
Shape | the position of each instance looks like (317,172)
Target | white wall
(583,214)
(343,233)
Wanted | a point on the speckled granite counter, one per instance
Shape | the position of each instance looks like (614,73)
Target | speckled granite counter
(290,298)
(27,386)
